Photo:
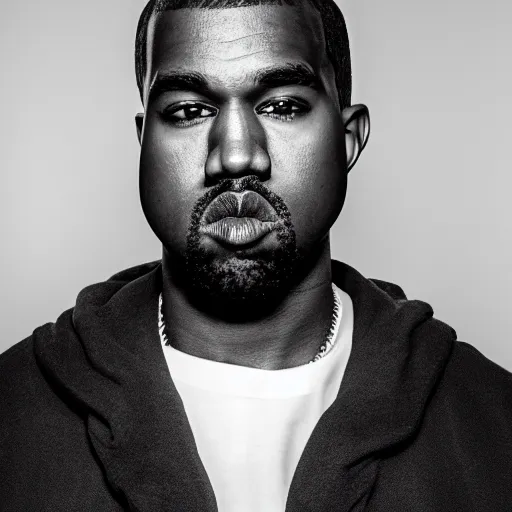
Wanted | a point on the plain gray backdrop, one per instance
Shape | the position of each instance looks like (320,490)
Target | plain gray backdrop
(428,203)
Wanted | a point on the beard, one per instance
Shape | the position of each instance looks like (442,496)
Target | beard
(236,283)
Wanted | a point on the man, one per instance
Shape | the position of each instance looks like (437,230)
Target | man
(185,384)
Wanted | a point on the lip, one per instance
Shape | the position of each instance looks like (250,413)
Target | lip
(247,204)
(238,230)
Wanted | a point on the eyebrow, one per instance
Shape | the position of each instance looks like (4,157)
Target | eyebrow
(177,81)
(273,77)
(288,74)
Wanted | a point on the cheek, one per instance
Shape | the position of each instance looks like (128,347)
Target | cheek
(311,177)
(171,181)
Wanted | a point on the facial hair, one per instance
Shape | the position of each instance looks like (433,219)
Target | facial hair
(241,285)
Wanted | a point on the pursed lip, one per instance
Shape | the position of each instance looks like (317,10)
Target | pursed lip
(238,230)
(238,218)
(239,204)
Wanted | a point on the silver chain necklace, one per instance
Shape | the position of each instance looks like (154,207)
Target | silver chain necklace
(325,348)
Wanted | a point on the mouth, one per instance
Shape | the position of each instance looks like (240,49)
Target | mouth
(238,230)
(238,219)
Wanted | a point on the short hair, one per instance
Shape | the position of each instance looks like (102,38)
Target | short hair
(335,33)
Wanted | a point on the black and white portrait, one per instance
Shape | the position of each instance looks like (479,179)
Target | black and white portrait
(256,256)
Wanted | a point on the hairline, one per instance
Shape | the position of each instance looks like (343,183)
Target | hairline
(155,8)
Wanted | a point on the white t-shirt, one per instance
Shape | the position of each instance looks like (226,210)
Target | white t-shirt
(250,425)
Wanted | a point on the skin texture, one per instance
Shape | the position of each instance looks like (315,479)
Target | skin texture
(300,151)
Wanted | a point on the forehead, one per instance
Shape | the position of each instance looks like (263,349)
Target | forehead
(232,43)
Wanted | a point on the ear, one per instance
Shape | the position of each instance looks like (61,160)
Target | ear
(357,130)
(139,123)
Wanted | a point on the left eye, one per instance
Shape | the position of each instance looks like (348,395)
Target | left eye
(189,114)
(284,110)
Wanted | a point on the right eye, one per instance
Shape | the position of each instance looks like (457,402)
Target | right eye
(188,114)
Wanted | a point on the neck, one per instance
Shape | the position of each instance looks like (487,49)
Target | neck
(288,336)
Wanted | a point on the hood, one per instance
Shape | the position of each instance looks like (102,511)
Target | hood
(104,358)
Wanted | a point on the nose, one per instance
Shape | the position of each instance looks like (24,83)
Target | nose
(237,146)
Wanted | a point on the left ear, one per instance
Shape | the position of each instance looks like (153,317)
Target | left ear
(139,123)
(356,120)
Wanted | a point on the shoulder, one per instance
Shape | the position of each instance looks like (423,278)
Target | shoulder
(22,386)
(470,371)
(474,395)
(26,393)
(33,416)
(15,367)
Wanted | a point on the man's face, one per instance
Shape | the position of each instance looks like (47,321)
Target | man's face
(243,156)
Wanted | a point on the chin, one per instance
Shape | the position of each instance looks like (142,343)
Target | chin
(241,279)
(233,285)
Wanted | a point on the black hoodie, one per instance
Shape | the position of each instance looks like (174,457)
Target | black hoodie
(90,419)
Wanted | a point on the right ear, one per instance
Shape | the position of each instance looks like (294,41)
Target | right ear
(139,123)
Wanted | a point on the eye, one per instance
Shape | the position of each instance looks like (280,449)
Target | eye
(187,114)
(285,109)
